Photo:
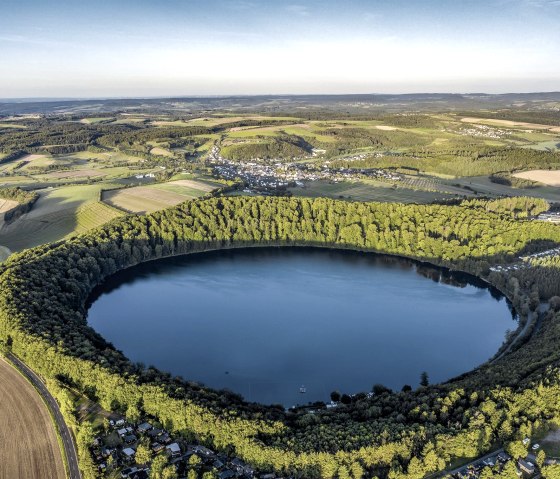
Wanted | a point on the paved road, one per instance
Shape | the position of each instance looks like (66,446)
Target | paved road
(474,461)
(67,440)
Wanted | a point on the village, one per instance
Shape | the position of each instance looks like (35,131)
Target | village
(261,175)
(526,261)
(525,467)
(117,449)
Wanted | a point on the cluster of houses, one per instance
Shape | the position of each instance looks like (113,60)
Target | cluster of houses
(526,261)
(147,175)
(259,174)
(543,254)
(473,470)
(552,216)
(481,131)
(116,451)
(525,467)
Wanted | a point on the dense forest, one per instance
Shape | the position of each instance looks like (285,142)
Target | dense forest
(44,293)
(469,159)
(282,147)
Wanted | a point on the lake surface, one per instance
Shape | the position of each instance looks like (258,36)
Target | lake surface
(265,322)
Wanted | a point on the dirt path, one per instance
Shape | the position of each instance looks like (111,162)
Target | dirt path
(28,444)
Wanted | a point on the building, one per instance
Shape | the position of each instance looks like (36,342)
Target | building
(525,466)
(552,216)
(173,450)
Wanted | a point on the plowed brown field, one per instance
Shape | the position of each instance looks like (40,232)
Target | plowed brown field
(28,444)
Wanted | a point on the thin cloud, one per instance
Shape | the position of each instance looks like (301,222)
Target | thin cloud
(241,5)
(24,40)
(301,10)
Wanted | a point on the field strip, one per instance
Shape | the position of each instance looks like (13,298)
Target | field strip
(511,124)
(198,185)
(548,177)
(7,205)
(29,444)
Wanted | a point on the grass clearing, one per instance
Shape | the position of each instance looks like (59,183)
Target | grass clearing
(30,445)
(161,152)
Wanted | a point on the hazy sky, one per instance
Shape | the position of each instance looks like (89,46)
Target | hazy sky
(86,48)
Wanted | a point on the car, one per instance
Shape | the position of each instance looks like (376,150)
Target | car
(535,447)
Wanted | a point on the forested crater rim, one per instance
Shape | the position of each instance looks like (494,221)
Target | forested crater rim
(43,293)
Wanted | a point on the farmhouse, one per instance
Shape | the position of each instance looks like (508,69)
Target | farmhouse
(553,216)
(173,450)
(157,447)
(130,439)
(144,428)
(227,474)
(525,466)
(129,453)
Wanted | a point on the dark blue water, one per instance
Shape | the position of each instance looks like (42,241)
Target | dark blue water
(264,322)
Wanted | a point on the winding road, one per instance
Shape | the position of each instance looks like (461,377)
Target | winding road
(65,434)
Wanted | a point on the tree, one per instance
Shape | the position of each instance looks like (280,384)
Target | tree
(554,303)
(551,472)
(379,389)
(335,396)
(516,449)
(195,461)
(424,379)
(169,472)
(157,467)
(345,399)
(406,388)
(143,454)
(541,456)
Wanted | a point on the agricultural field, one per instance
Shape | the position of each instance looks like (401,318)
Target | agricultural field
(6,205)
(365,191)
(145,199)
(547,177)
(59,212)
(30,446)
(144,162)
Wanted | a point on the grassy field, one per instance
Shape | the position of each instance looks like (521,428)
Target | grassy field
(59,212)
(145,199)
(30,447)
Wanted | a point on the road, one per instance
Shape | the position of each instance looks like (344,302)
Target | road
(535,317)
(67,440)
(474,461)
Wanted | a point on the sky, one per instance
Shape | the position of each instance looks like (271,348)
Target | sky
(149,48)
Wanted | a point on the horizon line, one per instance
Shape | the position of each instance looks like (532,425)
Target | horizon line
(256,95)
